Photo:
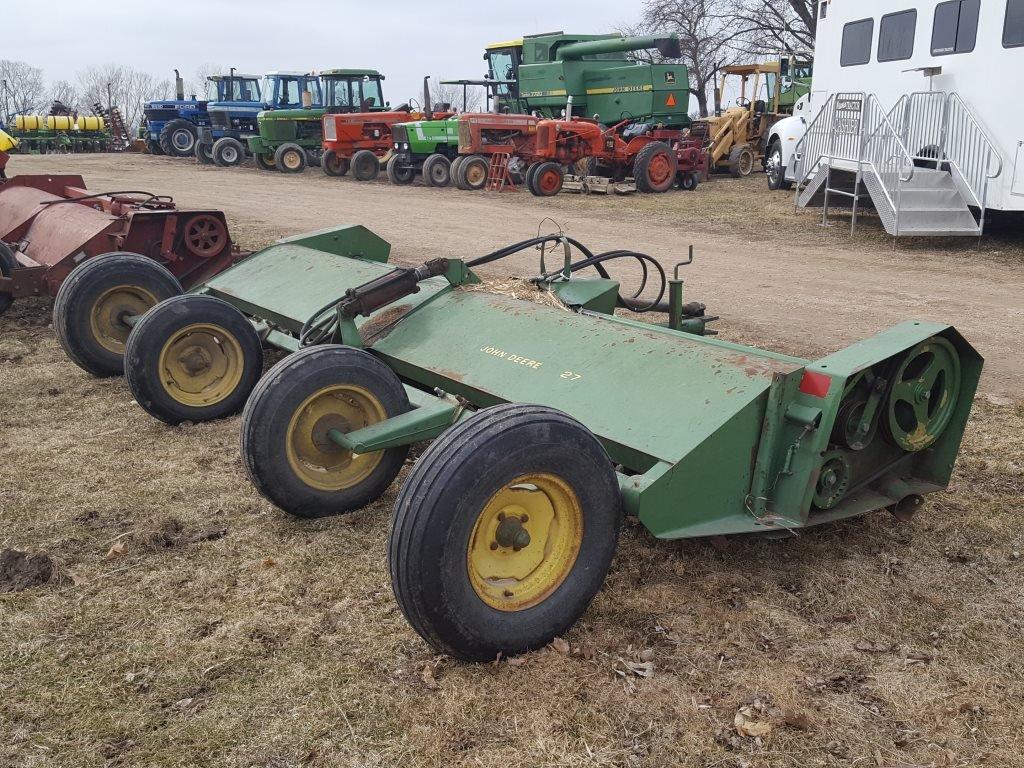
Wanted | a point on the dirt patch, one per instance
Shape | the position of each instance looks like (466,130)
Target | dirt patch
(24,570)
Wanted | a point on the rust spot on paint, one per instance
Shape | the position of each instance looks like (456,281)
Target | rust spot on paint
(381,324)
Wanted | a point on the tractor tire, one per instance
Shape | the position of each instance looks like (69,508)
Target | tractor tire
(89,311)
(365,165)
(285,447)
(290,158)
(7,266)
(154,148)
(204,153)
(178,139)
(655,167)
(193,358)
(454,170)
(460,526)
(265,162)
(741,161)
(437,171)
(547,179)
(775,170)
(228,152)
(333,165)
(688,182)
(400,174)
(473,172)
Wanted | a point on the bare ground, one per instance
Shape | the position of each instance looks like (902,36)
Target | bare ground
(188,622)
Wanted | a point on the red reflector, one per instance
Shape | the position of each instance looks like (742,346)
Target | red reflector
(815,384)
(671,100)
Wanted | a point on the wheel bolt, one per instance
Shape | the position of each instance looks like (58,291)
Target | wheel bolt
(501,516)
(494,545)
(508,593)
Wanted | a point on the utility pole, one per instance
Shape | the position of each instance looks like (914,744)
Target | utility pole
(7,110)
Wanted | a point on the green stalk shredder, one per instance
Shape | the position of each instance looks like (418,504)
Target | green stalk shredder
(550,420)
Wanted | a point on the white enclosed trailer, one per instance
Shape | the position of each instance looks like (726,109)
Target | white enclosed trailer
(916,102)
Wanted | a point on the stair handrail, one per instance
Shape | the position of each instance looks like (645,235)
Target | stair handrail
(800,167)
(970,152)
(885,153)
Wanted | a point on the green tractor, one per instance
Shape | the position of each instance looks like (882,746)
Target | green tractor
(429,147)
(291,139)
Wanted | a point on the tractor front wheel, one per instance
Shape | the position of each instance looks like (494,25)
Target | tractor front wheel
(546,180)
(178,139)
(473,173)
(287,425)
(228,152)
(98,303)
(7,266)
(502,534)
(655,167)
(334,165)
(365,165)
(290,158)
(204,153)
(741,161)
(689,181)
(193,358)
(400,172)
(437,171)
(265,162)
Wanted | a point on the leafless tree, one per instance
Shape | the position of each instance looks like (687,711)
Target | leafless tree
(129,89)
(775,26)
(197,85)
(452,94)
(706,33)
(23,88)
(66,94)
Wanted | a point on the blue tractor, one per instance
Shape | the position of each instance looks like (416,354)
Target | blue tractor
(171,127)
(232,120)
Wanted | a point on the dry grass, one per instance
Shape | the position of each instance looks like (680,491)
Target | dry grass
(195,624)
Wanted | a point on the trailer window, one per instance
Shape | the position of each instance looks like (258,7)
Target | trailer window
(955,29)
(857,37)
(896,34)
(1013,29)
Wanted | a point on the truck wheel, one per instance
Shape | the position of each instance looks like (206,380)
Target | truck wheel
(285,445)
(265,162)
(290,158)
(193,358)
(400,173)
(776,170)
(655,167)
(93,306)
(473,173)
(228,152)
(547,179)
(204,153)
(333,165)
(365,165)
(502,534)
(178,139)
(741,161)
(7,266)
(437,171)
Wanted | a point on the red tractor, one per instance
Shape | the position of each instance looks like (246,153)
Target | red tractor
(360,141)
(656,159)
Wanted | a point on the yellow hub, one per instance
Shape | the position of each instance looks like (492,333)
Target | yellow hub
(476,174)
(107,318)
(201,365)
(314,457)
(525,542)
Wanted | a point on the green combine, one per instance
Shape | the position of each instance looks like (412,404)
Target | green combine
(551,420)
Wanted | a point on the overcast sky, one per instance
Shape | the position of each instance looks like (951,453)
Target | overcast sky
(404,39)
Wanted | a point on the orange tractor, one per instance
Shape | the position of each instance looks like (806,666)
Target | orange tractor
(644,158)
(362,141)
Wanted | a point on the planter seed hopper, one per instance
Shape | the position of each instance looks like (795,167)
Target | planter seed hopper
(107,257)
(550,420)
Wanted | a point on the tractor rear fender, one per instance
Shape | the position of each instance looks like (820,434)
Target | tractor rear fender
(759,468)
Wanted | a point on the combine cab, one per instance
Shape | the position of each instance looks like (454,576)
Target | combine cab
(106,257)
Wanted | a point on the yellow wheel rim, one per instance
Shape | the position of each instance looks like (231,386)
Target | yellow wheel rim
(292,160)
(525,542)
(201,365)
(318,461)
(476,174)
(107,318)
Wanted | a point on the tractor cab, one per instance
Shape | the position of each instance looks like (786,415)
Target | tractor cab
(291,90)
(503,60)
(353,90)
(791,83)
(233,88)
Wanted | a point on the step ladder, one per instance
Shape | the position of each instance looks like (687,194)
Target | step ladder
(498,177)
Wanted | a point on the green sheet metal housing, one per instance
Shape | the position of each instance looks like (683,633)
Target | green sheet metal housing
(709,437)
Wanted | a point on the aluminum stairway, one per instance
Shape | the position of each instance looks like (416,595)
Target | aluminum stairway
(854,152)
